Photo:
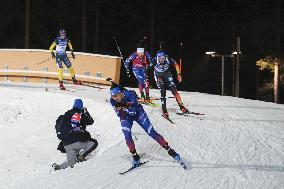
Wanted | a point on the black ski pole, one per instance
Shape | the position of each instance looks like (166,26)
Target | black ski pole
(121,56)
(145,60)
(161,44)
(43,61)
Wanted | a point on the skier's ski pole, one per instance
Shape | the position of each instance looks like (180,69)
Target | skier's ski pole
(47,60)
(44,61)
(121,56)
(148,100)
(161,43)
(145,61)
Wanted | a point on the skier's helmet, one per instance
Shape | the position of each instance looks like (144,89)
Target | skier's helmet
(62,33)
(161,53)
(114,91)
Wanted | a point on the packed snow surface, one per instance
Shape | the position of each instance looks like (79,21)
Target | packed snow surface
(238,143)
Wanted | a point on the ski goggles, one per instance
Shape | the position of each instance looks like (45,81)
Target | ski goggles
(140,50)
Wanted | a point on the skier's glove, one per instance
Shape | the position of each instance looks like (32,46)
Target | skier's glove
(72,53)
(52,54)
(146,83)
(118,104)
(179,78)
(123,105)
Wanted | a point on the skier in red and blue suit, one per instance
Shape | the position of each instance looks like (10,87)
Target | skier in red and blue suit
(128,109)
(140,61)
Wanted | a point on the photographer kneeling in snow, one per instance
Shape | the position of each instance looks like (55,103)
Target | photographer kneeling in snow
(76,141)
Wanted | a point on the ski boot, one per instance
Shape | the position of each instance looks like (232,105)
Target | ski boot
(171,152)
(175,155)
(147,96)
(164,110)
(182,108)
(136,159)
(75,81)
(165,114)
(55,167)
(142,95)
(61,86)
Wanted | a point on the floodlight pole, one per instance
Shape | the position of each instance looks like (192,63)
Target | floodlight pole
(223,66)
(223,75)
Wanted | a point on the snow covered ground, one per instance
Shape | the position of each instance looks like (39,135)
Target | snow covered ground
(238,143)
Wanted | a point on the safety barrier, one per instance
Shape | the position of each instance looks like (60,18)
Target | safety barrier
(35,65)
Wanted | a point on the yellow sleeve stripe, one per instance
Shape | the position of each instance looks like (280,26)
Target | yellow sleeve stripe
(52,46)
(70,45)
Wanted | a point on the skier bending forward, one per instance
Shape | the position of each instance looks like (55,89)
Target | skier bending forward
(127,108)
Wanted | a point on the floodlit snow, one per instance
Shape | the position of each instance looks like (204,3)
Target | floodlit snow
(238,143)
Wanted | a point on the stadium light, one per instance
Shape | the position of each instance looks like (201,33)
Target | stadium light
(210,52)
(235,52)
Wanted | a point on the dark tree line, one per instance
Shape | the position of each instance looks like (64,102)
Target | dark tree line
(200,25)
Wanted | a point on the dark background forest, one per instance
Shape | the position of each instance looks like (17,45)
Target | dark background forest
(200,25)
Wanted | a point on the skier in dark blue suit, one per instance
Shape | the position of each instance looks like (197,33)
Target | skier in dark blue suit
(128,109)
(164,79)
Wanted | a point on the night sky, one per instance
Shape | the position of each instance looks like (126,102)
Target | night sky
(199,25)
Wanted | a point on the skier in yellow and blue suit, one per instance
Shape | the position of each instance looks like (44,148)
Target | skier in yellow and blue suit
(61,43)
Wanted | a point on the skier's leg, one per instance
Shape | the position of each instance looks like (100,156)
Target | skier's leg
(60,71)
(145,123)
(126,129)
(137,74)
(71,70)
(60,67)
(171,85)
(178,99)
(60,74)
(145,83)
(161,85)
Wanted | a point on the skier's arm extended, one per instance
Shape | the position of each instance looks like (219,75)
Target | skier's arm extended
(71,48)
(70,45)
(176,65)
(177,68)
(52,46)
(129,59)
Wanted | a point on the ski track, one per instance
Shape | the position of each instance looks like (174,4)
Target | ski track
(238,143)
